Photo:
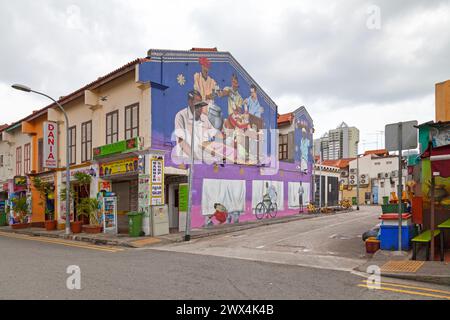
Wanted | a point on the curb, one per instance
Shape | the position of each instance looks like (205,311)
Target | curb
(168,239)
(252,225)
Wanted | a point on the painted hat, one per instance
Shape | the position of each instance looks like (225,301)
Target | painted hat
(204,61)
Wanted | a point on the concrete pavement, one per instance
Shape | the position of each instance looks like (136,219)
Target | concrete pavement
(329,242)
(37,270)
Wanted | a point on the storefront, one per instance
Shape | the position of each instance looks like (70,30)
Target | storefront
(80,191)
(120,177)
(19,187)
(43,201)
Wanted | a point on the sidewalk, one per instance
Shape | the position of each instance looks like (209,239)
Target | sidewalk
(402,267)
(137,242)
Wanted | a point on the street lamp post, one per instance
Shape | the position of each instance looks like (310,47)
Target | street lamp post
(27,89)
(357,182)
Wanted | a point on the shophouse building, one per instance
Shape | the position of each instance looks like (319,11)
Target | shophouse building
(130,131)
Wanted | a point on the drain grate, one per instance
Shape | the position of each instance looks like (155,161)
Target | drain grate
(402,266)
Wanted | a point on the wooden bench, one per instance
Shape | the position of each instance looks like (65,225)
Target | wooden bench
(423,238)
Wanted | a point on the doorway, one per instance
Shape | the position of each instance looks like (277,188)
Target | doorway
(173,200)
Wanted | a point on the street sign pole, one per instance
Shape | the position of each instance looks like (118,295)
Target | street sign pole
(400,186)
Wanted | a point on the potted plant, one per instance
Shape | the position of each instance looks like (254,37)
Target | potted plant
(50,222)
(45,189)
(89,207)
(84,181)
(22,210)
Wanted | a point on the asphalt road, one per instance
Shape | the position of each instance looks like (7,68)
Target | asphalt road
(32,269)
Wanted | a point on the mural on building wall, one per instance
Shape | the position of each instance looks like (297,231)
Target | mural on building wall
(233,145)
(226,108)
(304,134)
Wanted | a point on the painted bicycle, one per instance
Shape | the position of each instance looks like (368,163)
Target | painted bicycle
(266,208)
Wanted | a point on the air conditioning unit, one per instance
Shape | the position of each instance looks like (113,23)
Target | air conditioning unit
(363,176)
(394,174)
(363,181)
(352,182)
(352,177)
(386,175)
(344,174)
(353,170)
(380,175)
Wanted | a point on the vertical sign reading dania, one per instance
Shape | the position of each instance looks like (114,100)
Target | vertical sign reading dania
(50,144)
(156,180)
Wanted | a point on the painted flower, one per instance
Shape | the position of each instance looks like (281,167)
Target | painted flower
(181,80)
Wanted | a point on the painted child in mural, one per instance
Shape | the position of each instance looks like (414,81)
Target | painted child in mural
(220,215)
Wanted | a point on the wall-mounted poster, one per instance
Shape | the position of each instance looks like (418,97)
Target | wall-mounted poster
(156,180)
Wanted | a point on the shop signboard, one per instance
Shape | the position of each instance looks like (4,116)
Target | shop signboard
(20,183)
(50,144)
(183,197)
(105,186)
(122,146)
(123,166)
(156,180)
(90,171)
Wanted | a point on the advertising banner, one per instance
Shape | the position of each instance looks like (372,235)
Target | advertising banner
(50,144)
(119,167)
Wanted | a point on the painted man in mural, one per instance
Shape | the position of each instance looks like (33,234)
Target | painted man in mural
(252,105)
(204,84)
(204,132)
(304,147)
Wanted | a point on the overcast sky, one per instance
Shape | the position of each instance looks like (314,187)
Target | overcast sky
(337,59)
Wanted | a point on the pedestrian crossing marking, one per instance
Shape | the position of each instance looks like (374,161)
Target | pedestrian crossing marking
(402,266)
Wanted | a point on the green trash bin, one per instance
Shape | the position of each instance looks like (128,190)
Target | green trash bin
(2,219)
(135,224)
(385,200)
(354,201)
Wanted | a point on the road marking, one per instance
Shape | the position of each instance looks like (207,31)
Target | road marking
(406,292)
(260,247)
(392,284)
(61,242)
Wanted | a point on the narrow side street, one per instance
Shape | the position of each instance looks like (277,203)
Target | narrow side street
(330,242)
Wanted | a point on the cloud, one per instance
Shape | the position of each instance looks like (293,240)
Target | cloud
(314,53)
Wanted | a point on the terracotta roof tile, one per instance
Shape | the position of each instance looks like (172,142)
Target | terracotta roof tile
(285,118)
(379,152)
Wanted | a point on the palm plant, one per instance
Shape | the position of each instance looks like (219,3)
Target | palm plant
(89,207)
(21,207)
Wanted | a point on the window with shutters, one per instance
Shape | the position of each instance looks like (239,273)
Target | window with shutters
(72,145)
(86,141)
(18,161)
(112,127)
(40,155)
(283,147)
(132,121)
(27,158)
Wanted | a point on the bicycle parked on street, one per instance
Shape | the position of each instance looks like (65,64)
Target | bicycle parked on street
(266,208)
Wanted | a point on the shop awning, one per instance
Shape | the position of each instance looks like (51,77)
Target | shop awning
(440,160)
(175,171)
